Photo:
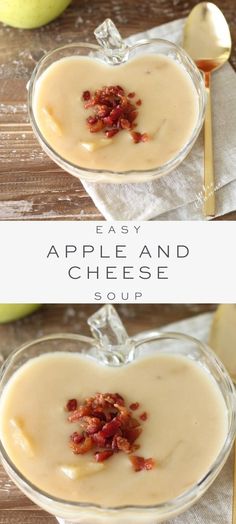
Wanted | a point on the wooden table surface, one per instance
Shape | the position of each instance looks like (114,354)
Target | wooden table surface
(15,508)
(32,186)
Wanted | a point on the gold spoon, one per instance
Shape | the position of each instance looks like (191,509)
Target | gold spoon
(223,340)
(207,40)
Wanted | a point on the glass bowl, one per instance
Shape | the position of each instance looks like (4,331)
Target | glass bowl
(114,347)
(114,51)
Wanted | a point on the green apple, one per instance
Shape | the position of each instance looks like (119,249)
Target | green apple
(9,312)
(28,14)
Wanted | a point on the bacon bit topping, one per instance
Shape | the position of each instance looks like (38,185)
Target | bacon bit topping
(140,463)
(139,137)
(113,111)
(123,444)
(82,447)
(133,434)
(134,406)
(111,132)
(100,456)
(143,416)
(107,427)
(125,124)
(71,405)
(86,95)
(76,437)
(96,126)
(110,428)
(91,424)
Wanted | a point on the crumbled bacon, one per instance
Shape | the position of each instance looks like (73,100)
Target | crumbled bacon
(107,427)
(100,456)
(82,447)
(113,111)
(71,404)
(110,428)
(96,126)
(143,416)
(139,137)
(132,434)
(140,463)
(76,437)
(99,440)
(134,406)
(76,415)
(91,424)
(86,95)
(123,444)
(111,132)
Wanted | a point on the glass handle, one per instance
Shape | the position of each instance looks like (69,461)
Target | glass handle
(108,37)
(107,328)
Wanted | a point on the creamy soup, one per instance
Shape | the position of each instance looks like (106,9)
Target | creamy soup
(165,99)
(184,430)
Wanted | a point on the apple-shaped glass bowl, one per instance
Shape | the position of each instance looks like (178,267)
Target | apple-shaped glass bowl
(113,51)
(112,346)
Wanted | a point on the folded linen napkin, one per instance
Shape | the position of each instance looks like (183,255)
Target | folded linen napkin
(179,195)
(215,507)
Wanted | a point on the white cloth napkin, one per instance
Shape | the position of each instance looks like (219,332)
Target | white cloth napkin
(215,507)
(179,195)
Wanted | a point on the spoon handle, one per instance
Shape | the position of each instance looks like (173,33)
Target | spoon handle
(209,182)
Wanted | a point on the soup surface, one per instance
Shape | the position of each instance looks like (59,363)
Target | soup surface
(184,431)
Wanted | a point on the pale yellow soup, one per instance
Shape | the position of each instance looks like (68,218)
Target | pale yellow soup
(168,113)
(185,429)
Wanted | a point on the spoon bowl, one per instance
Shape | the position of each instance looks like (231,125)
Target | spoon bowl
(207,37)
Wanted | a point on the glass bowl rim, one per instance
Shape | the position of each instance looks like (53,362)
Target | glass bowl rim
(172,505)
(157,171)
